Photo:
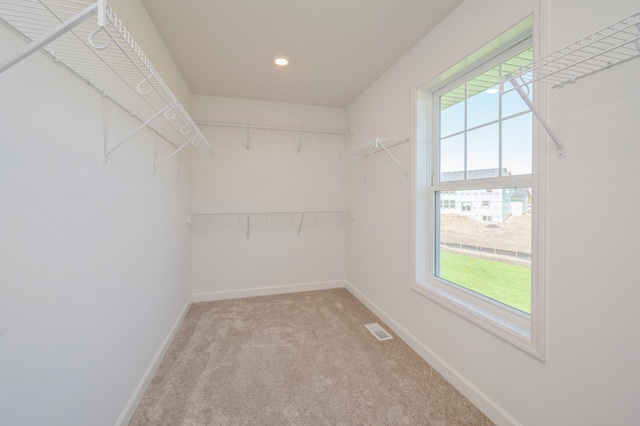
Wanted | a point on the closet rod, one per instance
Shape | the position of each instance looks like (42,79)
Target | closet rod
(269,127)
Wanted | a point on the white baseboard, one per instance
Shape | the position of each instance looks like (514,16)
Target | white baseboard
(485,404)
(266,291)
(130,408)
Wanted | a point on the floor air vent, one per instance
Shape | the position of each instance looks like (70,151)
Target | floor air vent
(379,332)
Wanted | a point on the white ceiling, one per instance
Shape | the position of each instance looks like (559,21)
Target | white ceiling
(337,48)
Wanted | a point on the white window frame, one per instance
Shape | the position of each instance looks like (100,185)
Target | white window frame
(520,329)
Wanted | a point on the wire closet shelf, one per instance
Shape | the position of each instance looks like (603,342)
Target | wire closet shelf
(247,219)
(249,126)
(90,39)
(612,45)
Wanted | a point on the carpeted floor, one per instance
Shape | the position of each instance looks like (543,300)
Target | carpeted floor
(295,359)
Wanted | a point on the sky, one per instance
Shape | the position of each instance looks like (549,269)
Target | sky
(483,148)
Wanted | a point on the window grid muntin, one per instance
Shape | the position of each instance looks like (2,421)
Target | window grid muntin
(499,182)
(508,117)
(510,54)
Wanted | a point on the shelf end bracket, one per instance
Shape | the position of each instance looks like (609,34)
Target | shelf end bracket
(518,86)
(137,130)
(300,140)
(173,154)
(248,141)
(193,163)
(300,225)
(395,160)
(362,175)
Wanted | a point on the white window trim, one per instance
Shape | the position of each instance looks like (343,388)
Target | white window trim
(526,332)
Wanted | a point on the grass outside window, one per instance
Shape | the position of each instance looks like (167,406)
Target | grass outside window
(503,282)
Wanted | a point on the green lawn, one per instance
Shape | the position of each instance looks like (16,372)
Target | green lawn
(506,283)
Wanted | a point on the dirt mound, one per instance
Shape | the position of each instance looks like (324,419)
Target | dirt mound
(512,234)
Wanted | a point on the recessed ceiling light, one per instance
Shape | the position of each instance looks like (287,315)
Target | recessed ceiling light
(281,61)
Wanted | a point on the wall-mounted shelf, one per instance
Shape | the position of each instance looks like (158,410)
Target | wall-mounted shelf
(370,148)
(294,220)
(248,126)
(613,45)
(90,39)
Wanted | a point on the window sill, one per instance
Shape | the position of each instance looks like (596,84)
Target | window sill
(509,324)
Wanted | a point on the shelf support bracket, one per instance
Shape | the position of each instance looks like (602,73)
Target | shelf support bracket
(193,163)
(248,225)
(300,226)
(173,154)
(48,37)
(516,85)
(355,169)
(248,144)
(136,131)
(380,144)
(300,141)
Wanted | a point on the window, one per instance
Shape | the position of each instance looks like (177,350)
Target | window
(479,260)
(484,136)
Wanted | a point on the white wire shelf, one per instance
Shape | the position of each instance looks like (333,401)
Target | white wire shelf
(612,45)
(249,126)
(246,220)
(370,148)
(90,39)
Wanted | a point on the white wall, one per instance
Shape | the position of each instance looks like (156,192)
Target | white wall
(94,258)
(590,376)
(272,177)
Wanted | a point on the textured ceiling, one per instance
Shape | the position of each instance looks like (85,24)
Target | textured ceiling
(337,48)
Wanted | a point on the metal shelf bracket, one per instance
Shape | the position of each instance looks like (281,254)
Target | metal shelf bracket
(248,126)
(610,46)
(174,153)
(190,165)
(136,131)
(248,137)
(300,140)
(248,219)
(518,86)
(300,226)
(370,148)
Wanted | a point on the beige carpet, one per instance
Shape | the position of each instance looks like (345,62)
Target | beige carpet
(295,359)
